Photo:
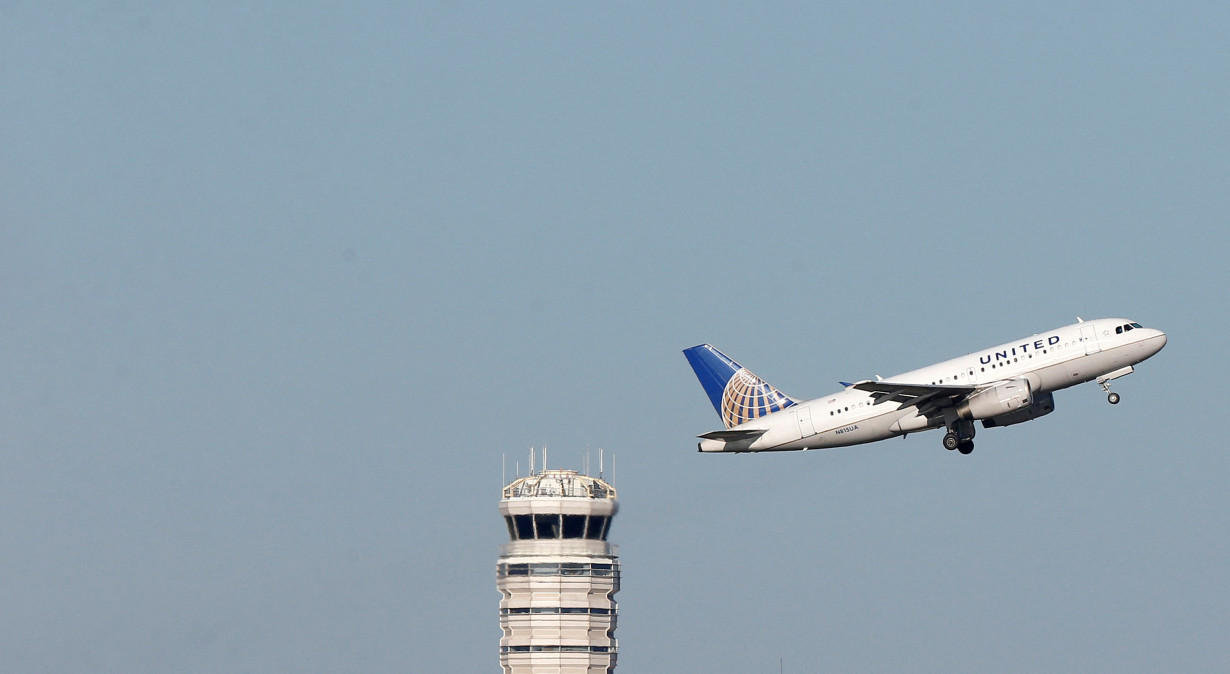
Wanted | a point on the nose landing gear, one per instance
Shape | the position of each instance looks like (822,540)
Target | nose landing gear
(1111,396)
(1104,382)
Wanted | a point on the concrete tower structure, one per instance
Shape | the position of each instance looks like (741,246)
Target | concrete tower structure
(558,575)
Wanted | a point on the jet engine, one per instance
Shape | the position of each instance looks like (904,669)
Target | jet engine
(1006,398)
(1043,404)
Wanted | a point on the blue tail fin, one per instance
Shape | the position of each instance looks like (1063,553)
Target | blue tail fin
(736,394)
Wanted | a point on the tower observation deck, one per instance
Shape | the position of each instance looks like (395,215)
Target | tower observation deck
(558,575)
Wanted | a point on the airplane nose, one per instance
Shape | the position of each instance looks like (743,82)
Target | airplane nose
(1156,343)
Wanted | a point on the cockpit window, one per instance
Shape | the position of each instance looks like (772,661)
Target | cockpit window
(1119,330)
(1136,325)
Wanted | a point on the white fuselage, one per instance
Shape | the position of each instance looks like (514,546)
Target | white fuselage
(1049,361)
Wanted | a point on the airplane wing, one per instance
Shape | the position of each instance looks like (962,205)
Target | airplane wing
(927,398)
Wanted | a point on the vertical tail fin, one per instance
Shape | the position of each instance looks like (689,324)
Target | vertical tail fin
(736,393)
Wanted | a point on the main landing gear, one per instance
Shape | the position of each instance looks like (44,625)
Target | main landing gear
(960,436)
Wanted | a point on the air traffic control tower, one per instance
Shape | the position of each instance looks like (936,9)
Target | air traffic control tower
(558,575)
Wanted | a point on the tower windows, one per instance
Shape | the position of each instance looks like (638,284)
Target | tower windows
(555,610)
(596,569)
(524,527)
(595,528)
(574,526)
(547,526)
(530,527)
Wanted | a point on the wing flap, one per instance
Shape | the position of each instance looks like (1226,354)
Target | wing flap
(923,396)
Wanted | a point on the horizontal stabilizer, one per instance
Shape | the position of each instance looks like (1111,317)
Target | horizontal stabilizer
(731,435)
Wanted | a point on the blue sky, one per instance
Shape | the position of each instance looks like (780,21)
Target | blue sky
(283,285)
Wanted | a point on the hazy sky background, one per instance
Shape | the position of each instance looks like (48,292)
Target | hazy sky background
(283,284)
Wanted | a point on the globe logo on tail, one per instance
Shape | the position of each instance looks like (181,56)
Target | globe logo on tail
(748,397)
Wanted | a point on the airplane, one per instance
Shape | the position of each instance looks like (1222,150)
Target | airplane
(1004,385)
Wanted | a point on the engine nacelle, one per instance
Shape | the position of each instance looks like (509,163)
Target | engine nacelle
(1006,398)
(1043,404)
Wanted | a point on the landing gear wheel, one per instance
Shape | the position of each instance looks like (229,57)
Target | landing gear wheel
(1113,398)
(951,441)
(966,447)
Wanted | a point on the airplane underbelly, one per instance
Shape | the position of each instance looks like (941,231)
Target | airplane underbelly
(856,433)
